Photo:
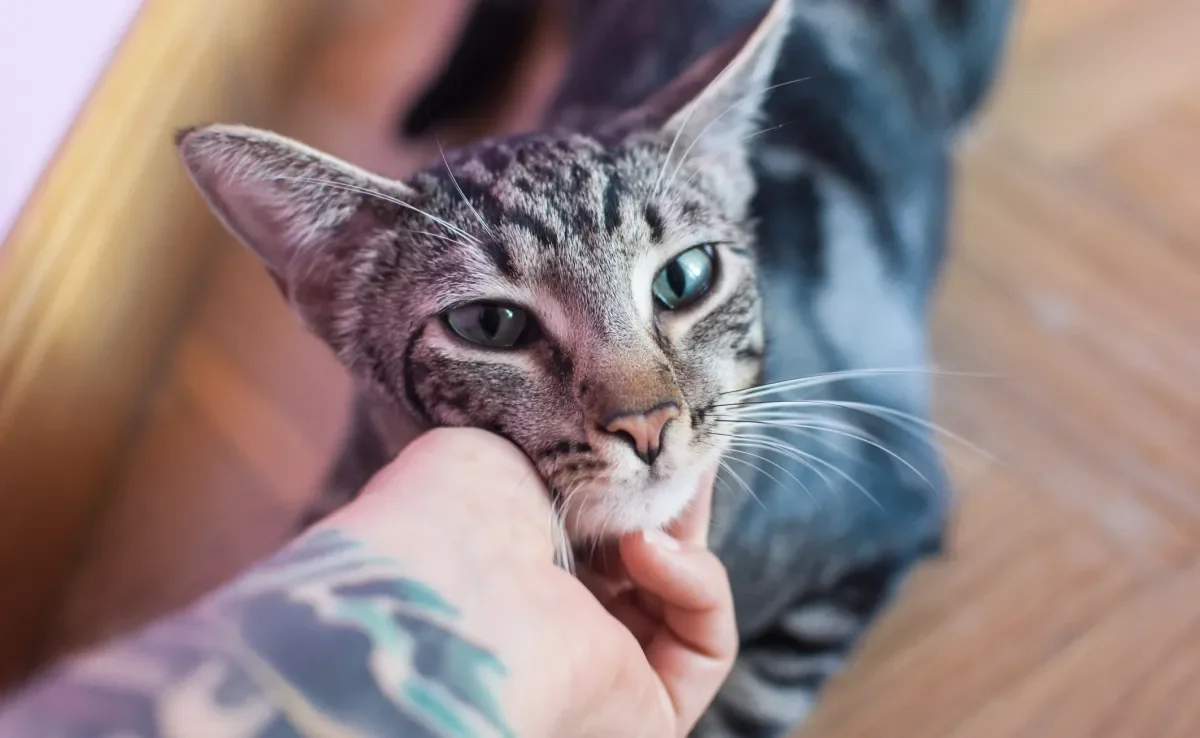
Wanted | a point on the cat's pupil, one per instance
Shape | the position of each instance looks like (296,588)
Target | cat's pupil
(677,278)
(490,320)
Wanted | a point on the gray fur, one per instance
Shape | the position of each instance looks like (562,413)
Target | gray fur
(830,229)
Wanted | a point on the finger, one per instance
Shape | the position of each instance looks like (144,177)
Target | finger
(694,650)
(480,489)
(631,612)
(691,584)
(692,526)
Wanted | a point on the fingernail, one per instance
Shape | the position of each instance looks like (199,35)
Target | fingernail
(656,537)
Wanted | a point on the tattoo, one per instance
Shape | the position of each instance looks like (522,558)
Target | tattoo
(324,638)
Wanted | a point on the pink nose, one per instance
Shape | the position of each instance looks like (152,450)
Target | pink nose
(644,430)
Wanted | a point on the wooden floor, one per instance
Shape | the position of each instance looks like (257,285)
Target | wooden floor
(1070,604)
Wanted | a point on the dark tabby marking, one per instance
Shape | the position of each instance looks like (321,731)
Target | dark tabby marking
(655,221)
(824,204)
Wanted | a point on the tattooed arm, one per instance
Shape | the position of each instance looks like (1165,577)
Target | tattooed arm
(429,607)
(323,639)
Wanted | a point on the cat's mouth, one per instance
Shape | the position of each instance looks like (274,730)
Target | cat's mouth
(603,490)
(607,508)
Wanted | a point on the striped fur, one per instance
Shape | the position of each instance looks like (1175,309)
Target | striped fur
(830,225)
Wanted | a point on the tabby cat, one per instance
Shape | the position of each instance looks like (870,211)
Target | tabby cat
(725,196)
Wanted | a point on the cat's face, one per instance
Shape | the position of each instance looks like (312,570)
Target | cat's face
(590,317)
(590,297)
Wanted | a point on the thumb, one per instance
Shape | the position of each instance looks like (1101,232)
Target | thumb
(694,652)
(454,484)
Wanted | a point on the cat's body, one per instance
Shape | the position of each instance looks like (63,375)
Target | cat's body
(829,232)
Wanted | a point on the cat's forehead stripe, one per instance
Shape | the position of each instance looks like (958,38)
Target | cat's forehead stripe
(541,231)
(557,192)
(654,219)
(613,193)
(500,256)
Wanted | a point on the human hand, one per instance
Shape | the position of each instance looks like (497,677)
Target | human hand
(465,513)
(672,594)
(429,606)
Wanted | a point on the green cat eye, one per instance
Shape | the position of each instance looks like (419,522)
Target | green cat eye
(686,279)
(491,325)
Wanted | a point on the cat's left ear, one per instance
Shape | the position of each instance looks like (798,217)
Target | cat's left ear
(305,214)
(711,109)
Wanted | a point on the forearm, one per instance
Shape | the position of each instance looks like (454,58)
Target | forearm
(323,639)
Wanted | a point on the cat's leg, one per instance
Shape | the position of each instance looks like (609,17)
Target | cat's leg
(484,61)
(359,457)
(780,671)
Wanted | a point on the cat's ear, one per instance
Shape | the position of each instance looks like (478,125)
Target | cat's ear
(303,213)
(712,108)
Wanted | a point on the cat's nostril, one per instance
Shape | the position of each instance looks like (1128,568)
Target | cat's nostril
(627,437)
(644,430)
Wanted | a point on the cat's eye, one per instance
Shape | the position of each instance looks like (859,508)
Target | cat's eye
(492,325)
(686,279)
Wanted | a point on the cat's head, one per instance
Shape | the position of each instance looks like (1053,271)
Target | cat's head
(589,294)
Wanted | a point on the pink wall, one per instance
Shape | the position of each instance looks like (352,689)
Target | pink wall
(51,53)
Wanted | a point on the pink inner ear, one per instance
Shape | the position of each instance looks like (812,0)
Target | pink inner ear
(223,169)
(257,211)
(255,183)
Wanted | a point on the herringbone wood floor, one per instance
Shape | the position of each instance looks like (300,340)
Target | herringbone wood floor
(1069,606)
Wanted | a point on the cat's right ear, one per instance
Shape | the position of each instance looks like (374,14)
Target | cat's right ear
(717,102)
(709,111)
(303,213)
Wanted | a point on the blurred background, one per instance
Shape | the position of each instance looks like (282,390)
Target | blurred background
(163,417)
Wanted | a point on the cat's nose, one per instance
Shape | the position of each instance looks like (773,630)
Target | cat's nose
(643,430)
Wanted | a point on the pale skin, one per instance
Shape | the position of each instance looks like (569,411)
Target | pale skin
(463,619)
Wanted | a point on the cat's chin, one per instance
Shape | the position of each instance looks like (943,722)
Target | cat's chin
(612,512)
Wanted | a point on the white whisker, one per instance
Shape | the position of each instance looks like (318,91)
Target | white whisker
(881,412)
(462,194)
(564,511)
(792,425)
(768,130)
(608,518)
(804,458)
(841,376)
(801,429)
(736,450)
(740,101)
(386,198)
(767,442)
(738,478)
(563,556)
(439,236)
